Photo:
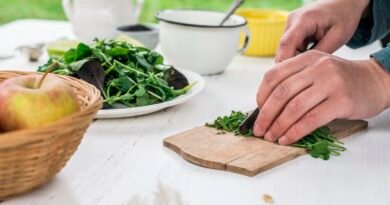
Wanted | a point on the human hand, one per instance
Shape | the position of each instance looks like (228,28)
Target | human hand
(314,88)
(328,24)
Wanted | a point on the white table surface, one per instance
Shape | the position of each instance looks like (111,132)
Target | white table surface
(123,161)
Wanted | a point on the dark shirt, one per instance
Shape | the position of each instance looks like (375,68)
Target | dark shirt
(372,27)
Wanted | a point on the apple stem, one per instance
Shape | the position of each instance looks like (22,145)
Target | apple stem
(49,69)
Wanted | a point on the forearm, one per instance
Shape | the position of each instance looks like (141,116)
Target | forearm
(383,77)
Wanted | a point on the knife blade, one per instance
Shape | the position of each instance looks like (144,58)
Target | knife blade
(247,124)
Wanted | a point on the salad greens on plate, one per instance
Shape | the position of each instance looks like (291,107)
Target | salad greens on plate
(127,76)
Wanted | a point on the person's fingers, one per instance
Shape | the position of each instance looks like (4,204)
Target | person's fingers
(332,41)
(281,72)
(275,76)
(279,97)
(293,41)
(317,117)
(294,110)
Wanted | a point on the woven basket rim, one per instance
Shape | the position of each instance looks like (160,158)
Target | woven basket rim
(21,137)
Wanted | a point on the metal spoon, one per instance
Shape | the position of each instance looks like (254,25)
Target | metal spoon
(236,4)
(33,52)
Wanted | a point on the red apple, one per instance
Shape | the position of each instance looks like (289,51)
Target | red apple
(32,101)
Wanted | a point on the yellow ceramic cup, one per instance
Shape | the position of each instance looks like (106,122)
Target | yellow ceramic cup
(266,27)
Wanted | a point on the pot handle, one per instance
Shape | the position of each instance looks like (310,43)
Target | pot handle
(68,8)
(246,40)
(138,8)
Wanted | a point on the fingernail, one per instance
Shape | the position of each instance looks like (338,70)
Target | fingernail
(269,136)
(258,131)
(283,140)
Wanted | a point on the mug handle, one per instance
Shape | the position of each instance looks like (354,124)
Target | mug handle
(246,40)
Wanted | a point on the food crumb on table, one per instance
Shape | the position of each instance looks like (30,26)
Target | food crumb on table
(268,199)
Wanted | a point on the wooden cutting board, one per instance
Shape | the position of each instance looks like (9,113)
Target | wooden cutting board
(214,149)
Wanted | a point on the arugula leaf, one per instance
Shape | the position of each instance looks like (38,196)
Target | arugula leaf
(155,58)
(182,91)
(143,62)
(92,72)
(122,83)
(145,99)
(77,65)
(70,56)
(320,150)
(141,91)
(75,54)
(175,78)
(117,51)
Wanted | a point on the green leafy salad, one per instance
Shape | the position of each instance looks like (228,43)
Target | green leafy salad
(319,144)
(127,76)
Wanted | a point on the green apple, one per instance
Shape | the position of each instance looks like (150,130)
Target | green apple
(34,101)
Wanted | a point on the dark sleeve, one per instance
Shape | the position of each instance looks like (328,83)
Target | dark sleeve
(374,26)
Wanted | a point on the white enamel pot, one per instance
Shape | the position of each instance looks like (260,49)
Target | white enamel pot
(193,39)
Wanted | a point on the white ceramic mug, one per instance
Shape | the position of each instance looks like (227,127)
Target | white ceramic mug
(100,18)
(193,39)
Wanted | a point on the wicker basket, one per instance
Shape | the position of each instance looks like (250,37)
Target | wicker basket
(30,158)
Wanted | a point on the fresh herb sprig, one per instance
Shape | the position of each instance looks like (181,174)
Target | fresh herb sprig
(133,76)
(230,123)
(319,144)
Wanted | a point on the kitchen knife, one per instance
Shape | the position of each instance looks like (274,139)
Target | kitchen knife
(247,124)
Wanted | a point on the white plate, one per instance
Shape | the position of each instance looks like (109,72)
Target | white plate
(137,111)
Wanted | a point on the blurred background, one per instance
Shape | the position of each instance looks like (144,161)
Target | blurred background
(52,9)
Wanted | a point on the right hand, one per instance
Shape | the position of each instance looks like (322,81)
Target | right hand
(327,23)
(310,90)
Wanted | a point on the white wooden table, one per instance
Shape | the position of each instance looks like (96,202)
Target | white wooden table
(123,161)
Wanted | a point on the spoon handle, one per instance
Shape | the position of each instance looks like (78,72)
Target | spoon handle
(232,9)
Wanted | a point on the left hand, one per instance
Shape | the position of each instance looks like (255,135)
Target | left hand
(314,88)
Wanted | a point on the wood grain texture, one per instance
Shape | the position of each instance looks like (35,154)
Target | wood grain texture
(211,148)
